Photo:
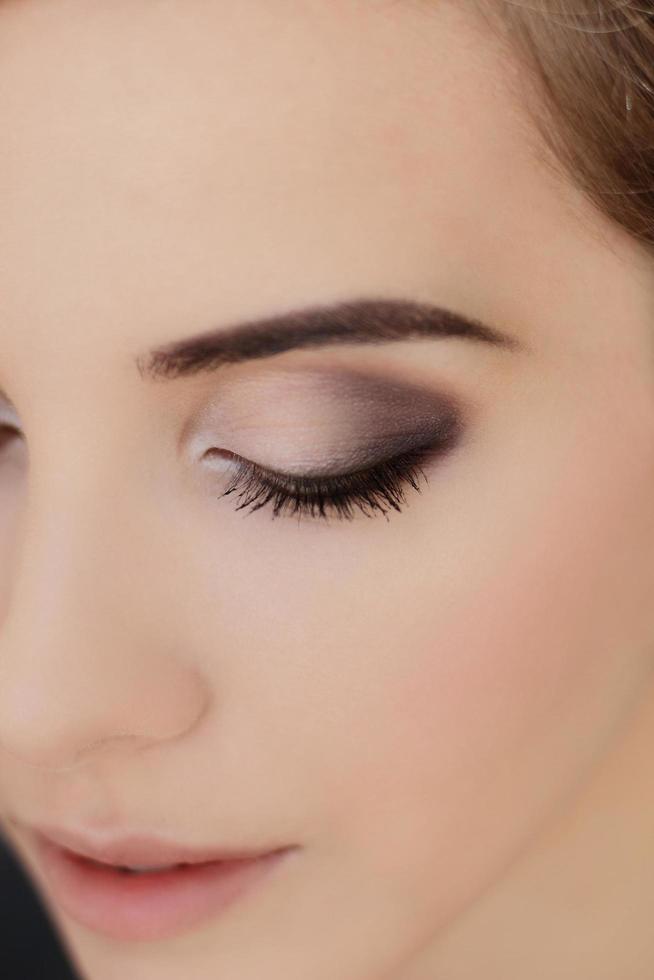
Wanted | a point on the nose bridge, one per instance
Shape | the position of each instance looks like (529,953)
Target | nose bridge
(71,539)
(79,663)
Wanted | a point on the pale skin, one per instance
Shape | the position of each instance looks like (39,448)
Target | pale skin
(451,711)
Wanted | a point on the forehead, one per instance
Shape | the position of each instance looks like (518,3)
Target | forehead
(258,153)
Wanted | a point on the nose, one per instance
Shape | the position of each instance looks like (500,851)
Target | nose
(88,659)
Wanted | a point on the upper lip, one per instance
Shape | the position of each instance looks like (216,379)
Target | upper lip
(139,850)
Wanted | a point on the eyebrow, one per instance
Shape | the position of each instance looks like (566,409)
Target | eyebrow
(363,321)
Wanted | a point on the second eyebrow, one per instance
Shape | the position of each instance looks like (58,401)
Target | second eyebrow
(350,322)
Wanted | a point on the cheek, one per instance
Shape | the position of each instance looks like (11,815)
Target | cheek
(495,673)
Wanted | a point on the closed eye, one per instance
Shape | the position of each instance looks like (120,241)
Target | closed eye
(375,490)
(8,433)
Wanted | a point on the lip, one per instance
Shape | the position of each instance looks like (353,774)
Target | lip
(137,849)
(152,906)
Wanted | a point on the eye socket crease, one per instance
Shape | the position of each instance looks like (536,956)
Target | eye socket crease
(362,321)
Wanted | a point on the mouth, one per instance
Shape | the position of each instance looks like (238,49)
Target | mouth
(140,901)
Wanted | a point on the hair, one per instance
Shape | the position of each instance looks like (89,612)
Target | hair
(592,62)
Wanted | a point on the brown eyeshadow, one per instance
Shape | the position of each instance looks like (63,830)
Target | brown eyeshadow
(320,421)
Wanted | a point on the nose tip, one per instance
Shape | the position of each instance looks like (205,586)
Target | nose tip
(60,710)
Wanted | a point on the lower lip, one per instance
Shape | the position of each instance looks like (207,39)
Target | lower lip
(149,906)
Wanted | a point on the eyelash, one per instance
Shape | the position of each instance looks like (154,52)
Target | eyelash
(8,433)
(375,490)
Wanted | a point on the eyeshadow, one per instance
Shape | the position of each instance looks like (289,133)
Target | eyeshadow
(320,421)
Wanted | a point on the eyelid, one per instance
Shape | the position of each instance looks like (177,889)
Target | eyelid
(353,402)
(374,488)
(9,428)
(8,416)
(358,456)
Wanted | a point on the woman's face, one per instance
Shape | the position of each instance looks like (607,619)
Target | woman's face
(407,695)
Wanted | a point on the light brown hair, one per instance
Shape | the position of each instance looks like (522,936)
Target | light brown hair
(593,65)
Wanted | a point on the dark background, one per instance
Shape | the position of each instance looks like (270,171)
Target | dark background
(29,948)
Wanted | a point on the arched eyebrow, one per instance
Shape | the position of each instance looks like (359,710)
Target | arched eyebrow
(363,321)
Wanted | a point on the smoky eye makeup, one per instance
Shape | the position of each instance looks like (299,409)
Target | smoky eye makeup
(322,422)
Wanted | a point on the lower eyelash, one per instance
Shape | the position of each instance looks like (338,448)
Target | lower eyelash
(375,490)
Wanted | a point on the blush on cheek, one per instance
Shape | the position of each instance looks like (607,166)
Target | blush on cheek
(534,660)
(498,711)
(544,647)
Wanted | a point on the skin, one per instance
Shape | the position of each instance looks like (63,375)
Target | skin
(451,711)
